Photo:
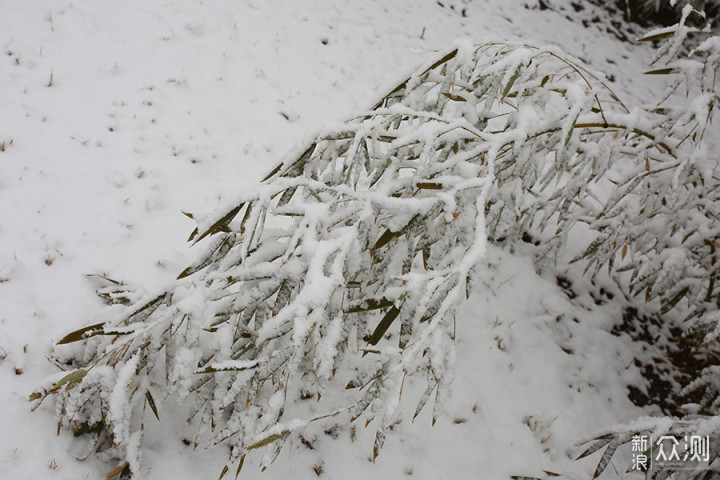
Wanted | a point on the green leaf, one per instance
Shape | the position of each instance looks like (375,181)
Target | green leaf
(250,364)
(85,428)
(192,234)
(570,131)
(268,440)
(81,334)
(626,268)
(670,304)
(272,173)
(148,309)
(379,441)
(444,59)
(592,248)
(220,224)
(596,445)
(657,36)
(217,251)
(151,402)
(368,304)
(385,238)
(429,186)
(71,378)
(510,83)
(662,71)
(384,324)
(240,465)
(454,98)
(423,400)
(287,196)
(605,459)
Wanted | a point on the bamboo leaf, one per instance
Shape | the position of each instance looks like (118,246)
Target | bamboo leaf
(384,324)
(444,59)
(233,367)
(385,238)
(596,445)
(423,400)
(662,71)
(224,472)
(592,248)
(240,465)
(296,167)
(570,131)
(193,234)
(71,378)
(626,268)
(268,440)
(151,402)
(117,470)
(605,459)
(670,304)
(454,98)
(368,304)
(657,36)
(429,186)
(379,441)
(272,173)
(216,251)
(510,83)
(81,334)
(221,224)
(85,428)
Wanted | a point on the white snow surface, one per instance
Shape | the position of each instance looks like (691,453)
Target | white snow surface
(115,117)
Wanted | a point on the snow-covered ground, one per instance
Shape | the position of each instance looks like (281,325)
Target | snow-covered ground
(115,117)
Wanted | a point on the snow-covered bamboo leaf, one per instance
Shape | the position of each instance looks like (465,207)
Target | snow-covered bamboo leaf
(597,444)
(511,82)
(219,225)
(605,459)
(82,333)
(660,35)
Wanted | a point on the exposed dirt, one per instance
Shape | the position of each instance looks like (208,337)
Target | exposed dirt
(673,359)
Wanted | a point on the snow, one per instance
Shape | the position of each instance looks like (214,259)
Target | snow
(117,117)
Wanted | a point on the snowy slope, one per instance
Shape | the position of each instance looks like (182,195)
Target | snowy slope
(117,117)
